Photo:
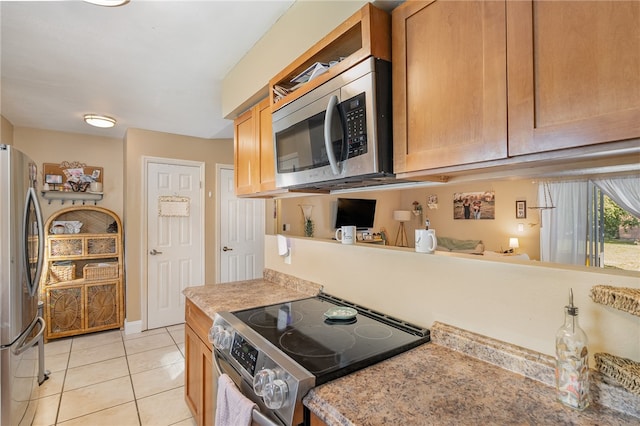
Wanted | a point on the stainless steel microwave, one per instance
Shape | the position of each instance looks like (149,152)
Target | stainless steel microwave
(339,134)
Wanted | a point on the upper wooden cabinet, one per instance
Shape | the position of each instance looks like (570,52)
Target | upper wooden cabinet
(365,33)
(573,73)
(487,80)
(267,155)
(253,149)
(449,82)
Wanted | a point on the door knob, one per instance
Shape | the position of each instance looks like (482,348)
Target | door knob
(225,248)
(154,252)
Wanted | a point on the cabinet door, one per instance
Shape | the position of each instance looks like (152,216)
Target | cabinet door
(208,388)
(193,373)
(102,305)
(64,311)
(449,82)
(267,154)
(574,73)
(246,154)
(199,386)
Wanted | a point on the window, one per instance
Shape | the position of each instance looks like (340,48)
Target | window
(592,223)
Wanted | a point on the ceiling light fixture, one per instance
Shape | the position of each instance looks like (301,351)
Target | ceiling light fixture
(101,121)
(107,3)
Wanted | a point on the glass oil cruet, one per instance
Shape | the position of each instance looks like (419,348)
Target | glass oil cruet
(572,360)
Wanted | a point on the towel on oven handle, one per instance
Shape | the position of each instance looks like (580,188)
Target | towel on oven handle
(232,407)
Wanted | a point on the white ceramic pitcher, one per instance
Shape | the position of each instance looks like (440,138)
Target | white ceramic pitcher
(426,241)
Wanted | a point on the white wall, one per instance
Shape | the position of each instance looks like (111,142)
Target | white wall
(50,146)
(517,302)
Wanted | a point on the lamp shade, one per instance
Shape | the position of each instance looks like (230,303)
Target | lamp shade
(402,215)
(513,243)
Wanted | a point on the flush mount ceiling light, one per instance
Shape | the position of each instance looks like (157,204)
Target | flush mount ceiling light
(101,121)
(107,3)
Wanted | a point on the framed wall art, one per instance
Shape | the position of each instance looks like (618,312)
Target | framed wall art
(521,209)
(474,205)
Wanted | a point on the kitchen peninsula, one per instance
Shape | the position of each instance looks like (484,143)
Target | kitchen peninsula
(446,381)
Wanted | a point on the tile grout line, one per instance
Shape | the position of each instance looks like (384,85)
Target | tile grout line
(121,340)
(133,390)
(64,379)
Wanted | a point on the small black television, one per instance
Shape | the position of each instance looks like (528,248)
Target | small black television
(355,212)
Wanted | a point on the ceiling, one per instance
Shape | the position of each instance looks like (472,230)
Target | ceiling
(155,65)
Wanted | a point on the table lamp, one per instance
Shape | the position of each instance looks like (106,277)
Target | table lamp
(401,216)
(513,244)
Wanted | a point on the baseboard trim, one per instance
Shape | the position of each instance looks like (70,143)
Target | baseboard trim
(132,327)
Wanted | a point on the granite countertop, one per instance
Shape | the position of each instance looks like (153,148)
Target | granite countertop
(273,288)
(438,385)
(458,378)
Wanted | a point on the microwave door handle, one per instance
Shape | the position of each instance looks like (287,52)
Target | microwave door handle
(333,101)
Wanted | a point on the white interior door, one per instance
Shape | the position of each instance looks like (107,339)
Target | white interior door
(242,224)
(175,241)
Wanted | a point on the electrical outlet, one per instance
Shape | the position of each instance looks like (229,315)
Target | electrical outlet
(286,227)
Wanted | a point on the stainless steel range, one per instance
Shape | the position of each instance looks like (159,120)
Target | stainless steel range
(277,353)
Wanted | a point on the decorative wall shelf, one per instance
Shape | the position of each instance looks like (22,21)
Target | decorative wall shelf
(621,298)
(624,371)
(63,196)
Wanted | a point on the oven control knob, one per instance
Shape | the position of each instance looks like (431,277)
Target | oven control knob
(275,394)
(220,337)
(262,379)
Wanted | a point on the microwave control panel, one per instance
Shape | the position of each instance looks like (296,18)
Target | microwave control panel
(355,125)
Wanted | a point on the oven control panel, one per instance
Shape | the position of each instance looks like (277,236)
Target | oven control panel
(243,352)
(274,379)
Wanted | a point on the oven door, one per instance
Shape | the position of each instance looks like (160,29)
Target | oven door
(265,416)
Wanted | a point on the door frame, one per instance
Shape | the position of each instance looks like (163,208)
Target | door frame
(144,248)
(218,246)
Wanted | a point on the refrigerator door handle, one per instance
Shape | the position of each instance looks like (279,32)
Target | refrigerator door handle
(33,281)
(23,344)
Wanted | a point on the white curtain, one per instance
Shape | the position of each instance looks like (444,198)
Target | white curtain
(625,191)
(563,230)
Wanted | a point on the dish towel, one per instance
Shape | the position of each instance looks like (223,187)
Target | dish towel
(232,407)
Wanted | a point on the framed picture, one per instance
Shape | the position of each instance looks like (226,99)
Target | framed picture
(474,205)
(521,209)
(55,179)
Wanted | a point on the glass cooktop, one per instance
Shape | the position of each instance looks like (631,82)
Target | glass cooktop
(331,342)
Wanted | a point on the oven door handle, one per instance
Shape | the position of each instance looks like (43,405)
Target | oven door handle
(262,420)
(256,416)
(216,363)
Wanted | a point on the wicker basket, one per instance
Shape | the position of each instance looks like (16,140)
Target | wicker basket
(60,273)
(621,298)
(622,370)
(100,271)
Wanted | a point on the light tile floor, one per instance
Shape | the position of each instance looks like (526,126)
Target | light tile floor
(111,378)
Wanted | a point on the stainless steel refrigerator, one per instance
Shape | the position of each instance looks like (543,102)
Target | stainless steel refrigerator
(21,256)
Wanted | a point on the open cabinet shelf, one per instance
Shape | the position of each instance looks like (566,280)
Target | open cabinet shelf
(366,33)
